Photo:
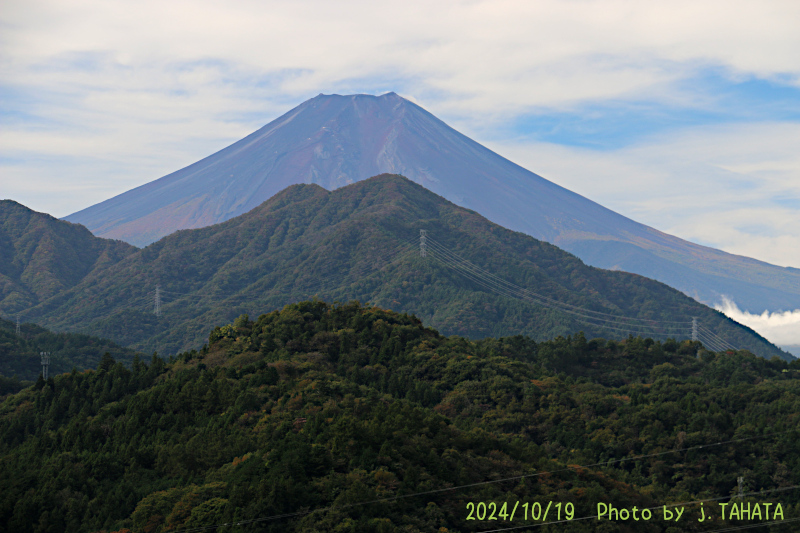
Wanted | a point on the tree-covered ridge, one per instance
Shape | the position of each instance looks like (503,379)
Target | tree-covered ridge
(319,406)
(20,360)
(358,243)
(41,256)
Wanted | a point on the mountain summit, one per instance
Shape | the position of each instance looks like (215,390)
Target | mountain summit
(334,140)
(362,242)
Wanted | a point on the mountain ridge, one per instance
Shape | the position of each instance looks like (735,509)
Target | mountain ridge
(360,242)
(306,417)
(334,140)
(20,353)
(43,256)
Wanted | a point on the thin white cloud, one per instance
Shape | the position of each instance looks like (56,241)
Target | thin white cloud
(490,55)
(782,328)
(732,187)
(121,94)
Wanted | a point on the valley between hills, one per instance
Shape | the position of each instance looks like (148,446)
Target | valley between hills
(566,302)
(359,242)
(227,377)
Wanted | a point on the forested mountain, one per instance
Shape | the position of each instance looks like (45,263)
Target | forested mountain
(335,140)
(347,418)
(361,242)
(20,354)
(41,256)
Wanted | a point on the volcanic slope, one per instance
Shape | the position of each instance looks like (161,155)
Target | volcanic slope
(334,140)
(361,242)
(40,256)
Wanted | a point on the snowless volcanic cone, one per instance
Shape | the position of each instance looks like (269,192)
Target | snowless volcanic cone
(333,140)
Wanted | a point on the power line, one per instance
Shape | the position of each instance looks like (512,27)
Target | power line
(505,288)
(479,483)
(587,316)
(455,260)
(733,528)
(720,339)
(760,524)
(317,283)
(709,342)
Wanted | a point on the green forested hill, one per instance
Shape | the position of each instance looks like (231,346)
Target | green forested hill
(19,354)
(360,243)
(41,256)
(350,418)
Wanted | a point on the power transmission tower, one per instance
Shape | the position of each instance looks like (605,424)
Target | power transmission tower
(694,328)
(157,306)
(45,363)
(423,245)
(17,325)
(741,488)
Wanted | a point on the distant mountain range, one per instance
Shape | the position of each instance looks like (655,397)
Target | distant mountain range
(334,140)
(362,242)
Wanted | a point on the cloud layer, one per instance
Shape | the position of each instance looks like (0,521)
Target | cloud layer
(781,328)
(735,187)
(680,115)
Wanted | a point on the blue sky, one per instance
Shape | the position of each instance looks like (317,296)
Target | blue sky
(682,115)
(617,123)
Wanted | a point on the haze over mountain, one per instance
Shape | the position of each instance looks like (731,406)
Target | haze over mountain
(333,140)
(360,242)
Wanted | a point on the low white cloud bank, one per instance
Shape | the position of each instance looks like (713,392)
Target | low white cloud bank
(781,328)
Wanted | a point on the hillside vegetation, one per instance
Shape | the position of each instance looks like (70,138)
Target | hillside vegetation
(20,359)
(360,242)
(333,140)
(41,256)
(326,417)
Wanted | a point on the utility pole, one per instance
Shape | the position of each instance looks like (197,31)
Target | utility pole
(423,245)
(157,307)
(45,363)
(694,328)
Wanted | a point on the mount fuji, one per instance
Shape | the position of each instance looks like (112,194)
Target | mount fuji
(334,140)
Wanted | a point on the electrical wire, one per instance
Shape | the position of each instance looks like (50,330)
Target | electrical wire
(733,528)
(479,277)
(587,316)
(454,257)
(477,484)
(707,341)
(510,289)
(720,339)
(489,281)
(760,524)
(307,289)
